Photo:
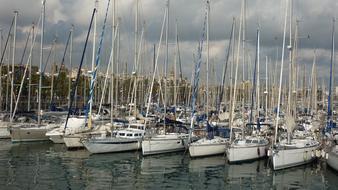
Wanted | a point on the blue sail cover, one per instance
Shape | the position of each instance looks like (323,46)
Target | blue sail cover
(217,131)
(210,131)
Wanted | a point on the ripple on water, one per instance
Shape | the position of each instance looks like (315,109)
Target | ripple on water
(49,166)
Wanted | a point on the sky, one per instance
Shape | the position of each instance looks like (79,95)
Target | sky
(314,20)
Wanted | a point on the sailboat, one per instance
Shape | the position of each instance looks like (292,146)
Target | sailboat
(293,152)
(117,140)
(211,144)
(332,159)
(4,121)
(253,146)
(167,142)
(290,152)
(30,131)
(72,138)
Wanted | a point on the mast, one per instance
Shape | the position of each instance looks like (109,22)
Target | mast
(41,58)
(1,97)
(281,72)
(70,65)
(13,62)
(93,55)
(293,71)
(196,72)
(53,70)
(312,83)
(207,43)
(243,49)
(135,53)
(254,82)
(266,86)
(94,72)
(258,75)
(226,67)
(236,73)
(30,71)
(156,63)
(112,67)
(117,31)
(329,101)
(74,89)
(175,73)
(166,65)
(117,63)
(290,60)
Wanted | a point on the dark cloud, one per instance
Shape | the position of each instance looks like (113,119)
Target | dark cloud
(314,27)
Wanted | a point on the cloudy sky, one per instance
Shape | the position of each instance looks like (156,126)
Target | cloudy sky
(314,28)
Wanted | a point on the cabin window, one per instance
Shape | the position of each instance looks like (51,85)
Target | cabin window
(255,141)
(129,135)
(135,135)
(236,141)
(248,141)
(122,134)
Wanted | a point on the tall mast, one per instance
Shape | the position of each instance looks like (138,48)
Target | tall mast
(290,60)
(117,31)
(312,102)
(13,62)
(41,58)
(254,83)
(1,97)
(175,71)
(112,66)
(156,63)
(281,71)
(70,65)
(207,90)
(53,69)
(93,53)
(243,57)
(166,64)
(236,74)
(30,72)
(258,73)
(329,101)
(135,53)
(266,85)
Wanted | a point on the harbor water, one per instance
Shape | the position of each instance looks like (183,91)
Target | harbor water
(50,166)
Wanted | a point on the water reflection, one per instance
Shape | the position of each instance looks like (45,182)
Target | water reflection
(49,166)
(254,175)
(162,164)
(207,172)
(303,177)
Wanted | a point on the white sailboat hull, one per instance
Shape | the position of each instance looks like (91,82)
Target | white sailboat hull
(163,144)
(4,133)
(29,133)
(240,154)
(287,158)
(118,145)
(57,139)
(56,135)
(73,141)
(332,159)
(199,150)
